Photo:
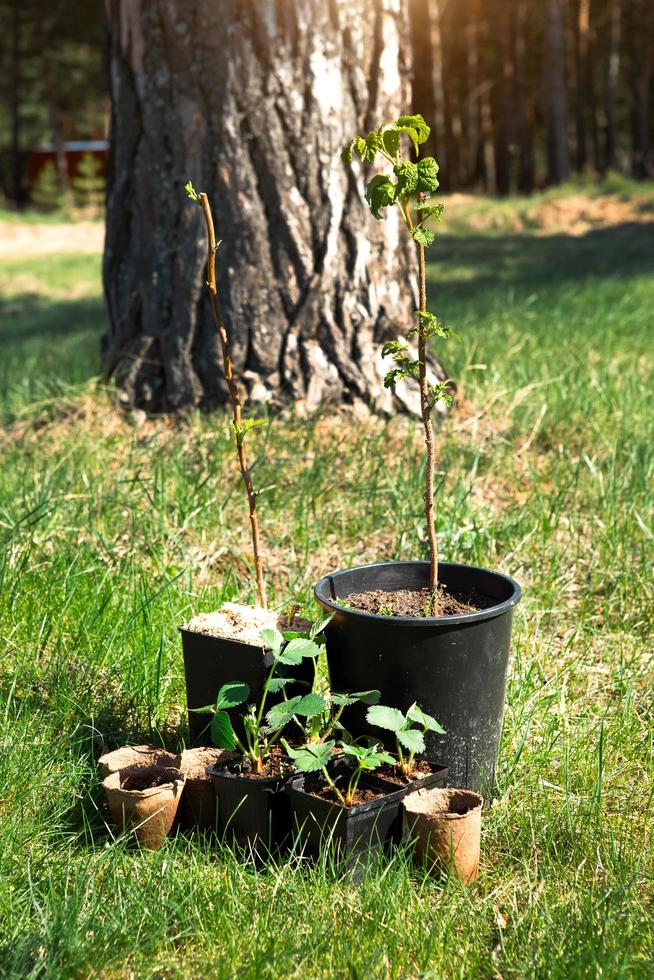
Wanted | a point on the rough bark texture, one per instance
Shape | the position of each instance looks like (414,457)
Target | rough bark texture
(252,100)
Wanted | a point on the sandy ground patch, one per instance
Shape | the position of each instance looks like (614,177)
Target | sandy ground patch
(18,240)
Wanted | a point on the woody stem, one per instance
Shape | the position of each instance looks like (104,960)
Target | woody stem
(234,396)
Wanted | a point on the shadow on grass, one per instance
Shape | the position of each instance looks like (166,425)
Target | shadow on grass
(483,264)
(29,318)
(46,344)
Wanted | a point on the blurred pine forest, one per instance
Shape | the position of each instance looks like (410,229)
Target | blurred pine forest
(520,93)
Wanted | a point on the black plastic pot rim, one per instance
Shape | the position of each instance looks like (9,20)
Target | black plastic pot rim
(325,585)
(375,804)
(227,639)
(238,777)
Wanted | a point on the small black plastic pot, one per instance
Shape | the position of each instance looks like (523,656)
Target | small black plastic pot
(352,832)
(211,661)
(255,813)
(436,777)
(454,667)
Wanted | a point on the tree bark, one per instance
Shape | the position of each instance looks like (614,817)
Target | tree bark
(554,91)
(503,76)
(612,78)
(581,41)
(475,170)
(643,59)
(252,100)
(423,86)
(15,166)
(523,108)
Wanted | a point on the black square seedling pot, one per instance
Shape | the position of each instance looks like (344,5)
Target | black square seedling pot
(211,661)
(256,813)
(436,777)
(353,832)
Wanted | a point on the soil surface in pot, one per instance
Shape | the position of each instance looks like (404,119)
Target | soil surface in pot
(416,603)
(395,775)
(277,764)
(244,623)
(362,795)
(146,777)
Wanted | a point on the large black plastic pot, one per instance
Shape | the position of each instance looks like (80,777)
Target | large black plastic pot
(211,661)
(351,832)
(454,667)
(256,813)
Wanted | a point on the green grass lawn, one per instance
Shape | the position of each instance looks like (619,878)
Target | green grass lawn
(113,535)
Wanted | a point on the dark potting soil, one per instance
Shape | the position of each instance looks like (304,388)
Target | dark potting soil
(277,764)
(325,792)
(395,775)
(147,777)
(417,603)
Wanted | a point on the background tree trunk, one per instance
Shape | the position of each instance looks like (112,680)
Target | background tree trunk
(503,77)
(580,33)
(612,75)
(423,86)
(252,100)
(523,108)
(642,72)
(554,91)
(15,164)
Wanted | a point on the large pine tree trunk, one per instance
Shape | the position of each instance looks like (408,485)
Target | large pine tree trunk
(252,100)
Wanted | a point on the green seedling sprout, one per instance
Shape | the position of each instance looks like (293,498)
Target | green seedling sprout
(409,730)
(263,728)
(314,757)
(409,188)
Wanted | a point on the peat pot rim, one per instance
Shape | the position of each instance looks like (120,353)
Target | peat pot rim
(111,783)
(437,802)
(325,594)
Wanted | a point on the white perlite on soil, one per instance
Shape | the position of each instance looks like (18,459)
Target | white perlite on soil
(244,623)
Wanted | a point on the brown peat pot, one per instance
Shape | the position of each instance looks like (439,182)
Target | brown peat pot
(454,667)
(144,799)
(445,826)
(211,661)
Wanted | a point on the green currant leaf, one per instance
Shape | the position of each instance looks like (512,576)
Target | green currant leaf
(427,175)
(417,123)
(380,193)
(407,177)
(423,236)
